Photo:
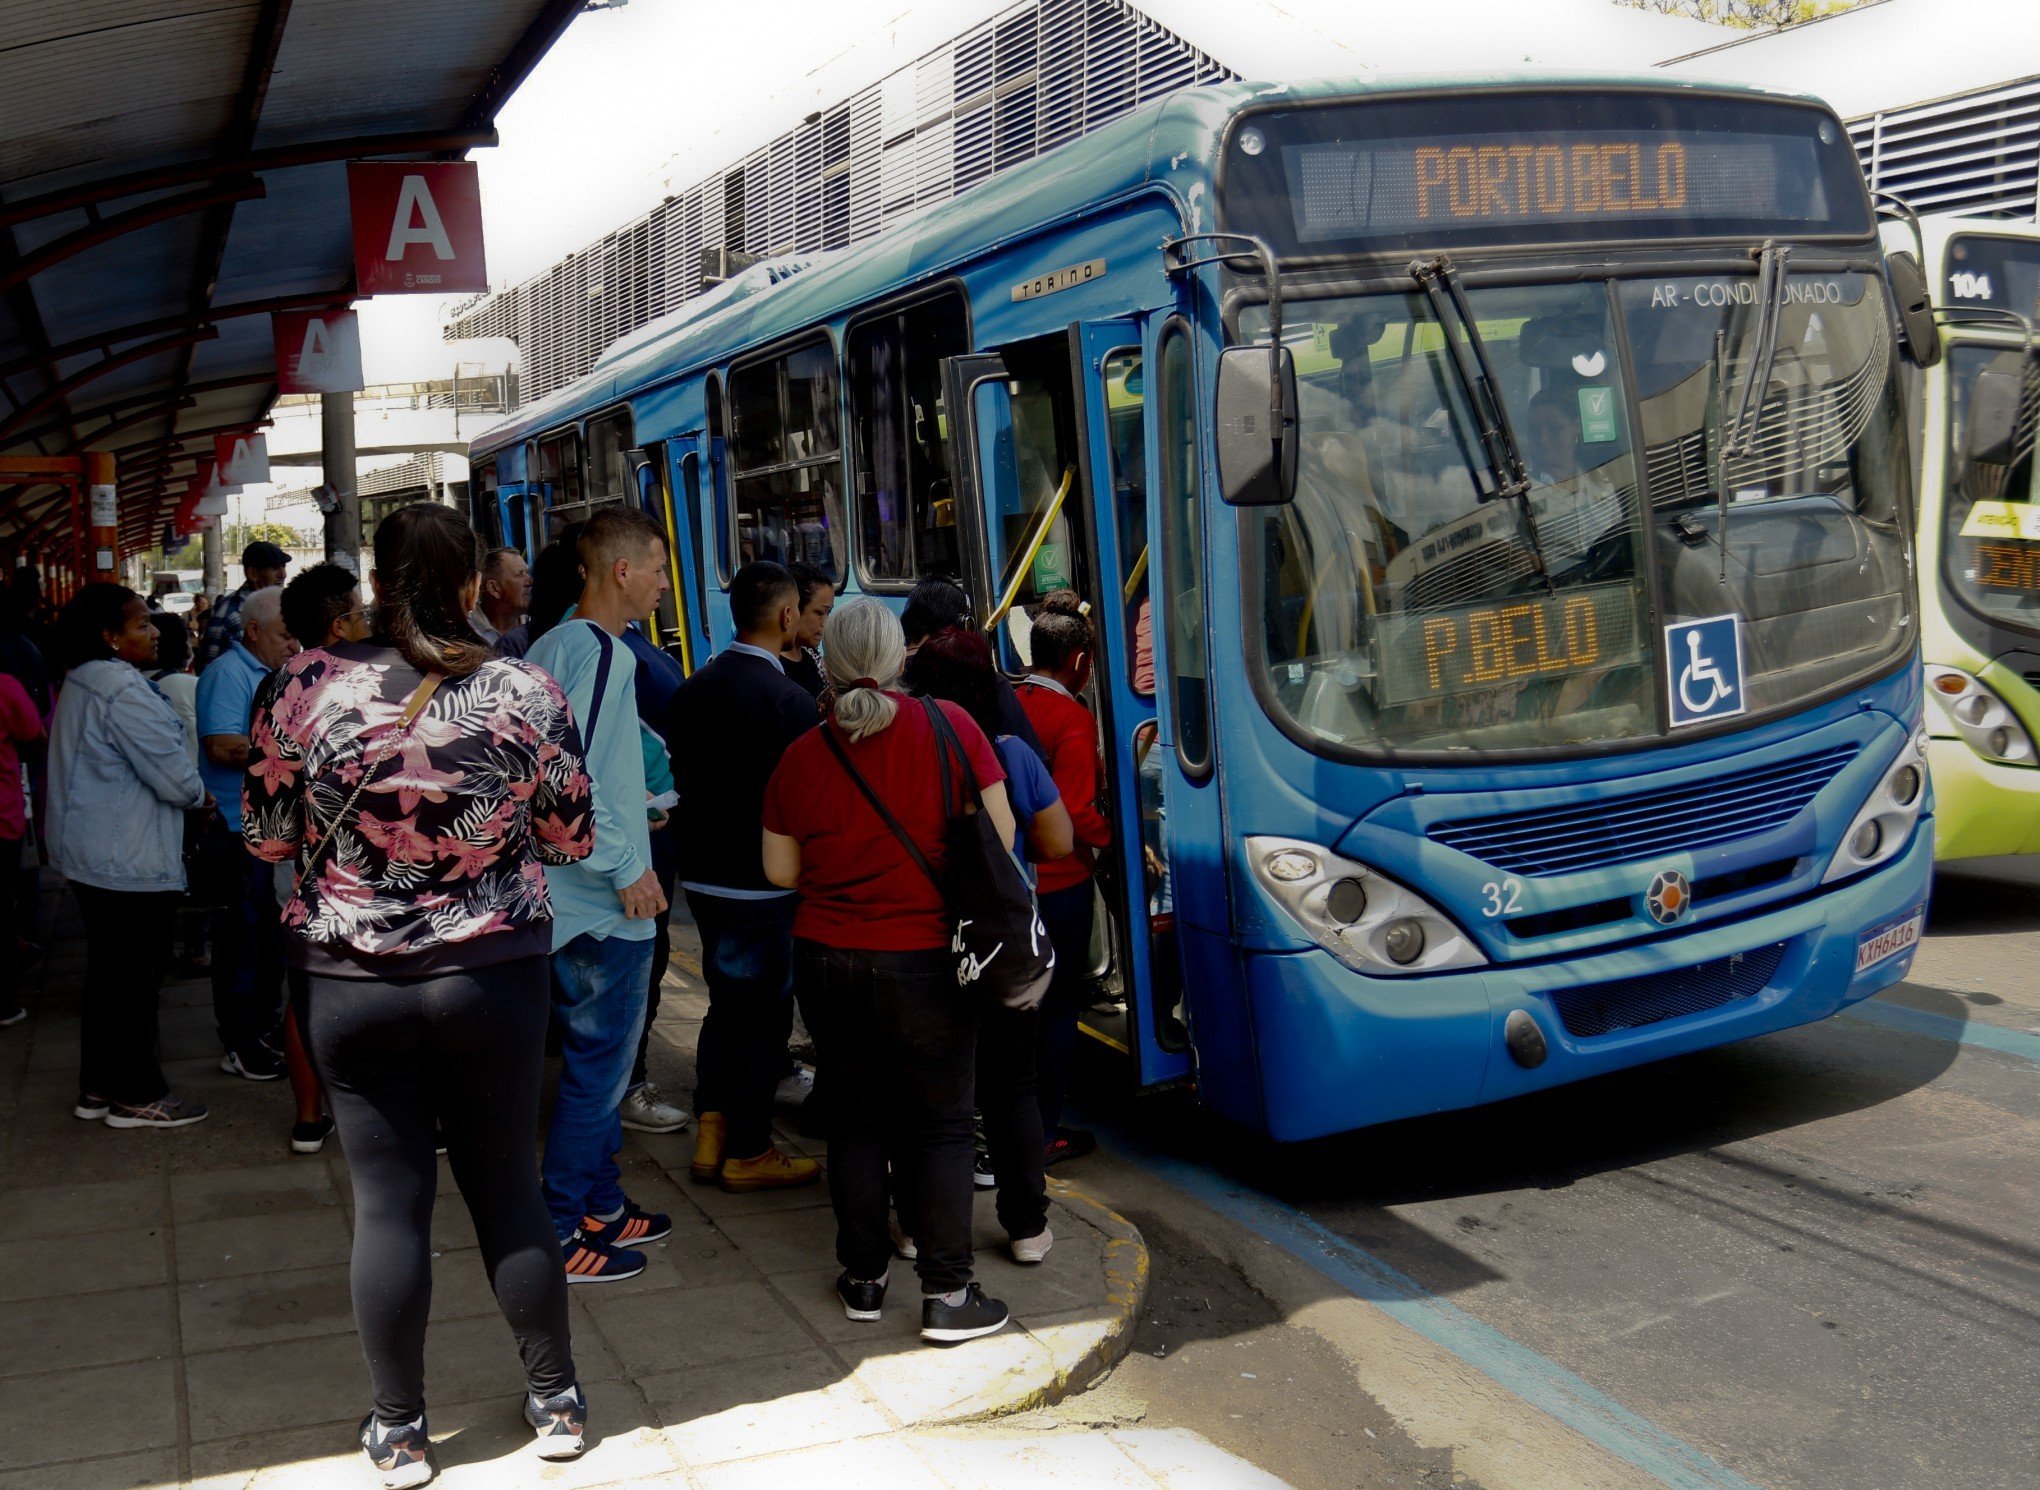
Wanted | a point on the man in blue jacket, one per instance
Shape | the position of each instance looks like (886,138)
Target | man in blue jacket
(604,907)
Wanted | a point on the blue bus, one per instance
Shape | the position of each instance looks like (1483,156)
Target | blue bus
(1492,497)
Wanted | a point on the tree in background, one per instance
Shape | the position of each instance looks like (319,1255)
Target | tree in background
(1748,14)
(237,537)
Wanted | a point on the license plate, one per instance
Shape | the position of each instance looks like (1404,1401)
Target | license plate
(1889,940)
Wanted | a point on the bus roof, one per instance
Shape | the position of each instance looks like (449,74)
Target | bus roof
(1168,146)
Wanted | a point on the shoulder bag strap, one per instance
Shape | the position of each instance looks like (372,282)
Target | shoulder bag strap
(602,643)
(913,849)
(413,707)
(946,744)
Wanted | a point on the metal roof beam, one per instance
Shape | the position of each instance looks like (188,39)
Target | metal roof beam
(158,401)
(504,78)
(106,341)
(58,392)
(107,229)
(251,162)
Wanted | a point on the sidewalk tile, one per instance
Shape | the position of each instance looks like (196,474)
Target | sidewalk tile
(274,1244)
(698,1256)
(696,1326)
(271,1190)
(154,1470)
(72,1210)
(979,1376)
(87,1263)
(866,1464)
(229,1313)
(784,1241)
(94,1329)
(467,1360)
(284,1384)
(813,1295)
(724,1207)
(989,1459)
(1182,1460)
(768,1404)
(128,1407)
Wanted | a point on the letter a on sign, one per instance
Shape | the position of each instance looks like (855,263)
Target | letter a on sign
(417,227)
(317,351)
(243,460)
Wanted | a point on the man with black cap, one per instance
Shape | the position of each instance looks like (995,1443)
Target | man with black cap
(263,565)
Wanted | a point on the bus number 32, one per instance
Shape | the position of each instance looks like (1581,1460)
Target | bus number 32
(1503,899)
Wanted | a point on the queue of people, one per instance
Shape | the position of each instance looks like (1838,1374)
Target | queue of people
(442,826)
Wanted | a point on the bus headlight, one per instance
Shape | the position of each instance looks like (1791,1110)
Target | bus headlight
(1884,825)
(1980,716)
(1365,919)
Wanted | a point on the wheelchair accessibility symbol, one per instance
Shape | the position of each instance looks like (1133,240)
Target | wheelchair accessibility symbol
(1706,665)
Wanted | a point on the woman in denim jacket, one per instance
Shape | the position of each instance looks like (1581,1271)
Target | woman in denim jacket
(121,780)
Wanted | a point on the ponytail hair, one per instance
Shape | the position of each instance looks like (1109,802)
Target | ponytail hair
(425,555)
(864,651)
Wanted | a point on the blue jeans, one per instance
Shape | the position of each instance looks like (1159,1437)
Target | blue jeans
(598,997)
(747,962)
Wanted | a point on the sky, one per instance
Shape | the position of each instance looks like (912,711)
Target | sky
(633,96)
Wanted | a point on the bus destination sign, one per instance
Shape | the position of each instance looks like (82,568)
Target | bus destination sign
(1467,649)
(1508,167)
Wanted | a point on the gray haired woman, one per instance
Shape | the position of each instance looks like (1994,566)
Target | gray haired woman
(874,972)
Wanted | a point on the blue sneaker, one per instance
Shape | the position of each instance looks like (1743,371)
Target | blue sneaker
(561,1423)
(590,1261)
(398,1454)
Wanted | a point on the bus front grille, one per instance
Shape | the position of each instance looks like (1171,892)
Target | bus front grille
(1630,1003)
(1645,825)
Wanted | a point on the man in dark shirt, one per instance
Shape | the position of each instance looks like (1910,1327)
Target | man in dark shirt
(728,725)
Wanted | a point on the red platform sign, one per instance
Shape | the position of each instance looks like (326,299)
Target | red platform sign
(317,351)
(243,460)
(417,227)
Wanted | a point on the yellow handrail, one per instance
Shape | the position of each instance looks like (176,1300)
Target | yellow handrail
(1048,517)
(1139,573)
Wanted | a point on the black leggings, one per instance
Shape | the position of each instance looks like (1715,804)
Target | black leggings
(468,1050)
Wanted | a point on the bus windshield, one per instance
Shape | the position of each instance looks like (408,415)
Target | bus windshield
(1991,512)
(1402,607)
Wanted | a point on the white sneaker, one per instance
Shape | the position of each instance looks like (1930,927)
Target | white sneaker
(1032,1248)
(641,1109)
(902,1244)
(795,1087)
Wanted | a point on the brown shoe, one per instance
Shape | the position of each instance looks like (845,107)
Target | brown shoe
(709,1130)
(770,1170)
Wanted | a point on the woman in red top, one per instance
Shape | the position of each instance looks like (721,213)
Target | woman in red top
(874,972)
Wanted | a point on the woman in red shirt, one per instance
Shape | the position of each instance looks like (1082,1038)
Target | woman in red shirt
(874,972)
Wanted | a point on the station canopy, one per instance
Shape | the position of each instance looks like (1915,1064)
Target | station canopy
(169,175)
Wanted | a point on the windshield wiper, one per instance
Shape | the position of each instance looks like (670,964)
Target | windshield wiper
(1740,440)
(1476,374)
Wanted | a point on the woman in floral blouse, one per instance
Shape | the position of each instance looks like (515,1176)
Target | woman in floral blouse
(419,781)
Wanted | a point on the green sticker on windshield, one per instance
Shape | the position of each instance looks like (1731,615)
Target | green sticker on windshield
(1597,415)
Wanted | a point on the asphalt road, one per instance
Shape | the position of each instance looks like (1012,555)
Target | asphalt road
(1809,1260)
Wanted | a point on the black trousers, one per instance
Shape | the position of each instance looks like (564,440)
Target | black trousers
(662,950)
(466,1050)
(127,956)
(1010,1106)
(248,941)
(1067,914)
(12,889)
(900,1045)
(747,962)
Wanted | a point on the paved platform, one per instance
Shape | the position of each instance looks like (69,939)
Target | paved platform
(175,1309)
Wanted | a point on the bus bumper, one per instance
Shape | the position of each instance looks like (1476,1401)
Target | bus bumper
(1981,809)
(1339,1051)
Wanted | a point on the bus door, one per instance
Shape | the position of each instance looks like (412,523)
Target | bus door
(649,481)
(686,485)
(1112,399)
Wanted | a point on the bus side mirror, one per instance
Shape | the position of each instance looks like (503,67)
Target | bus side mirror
(1256,450)
(1991,419)
(1915,304)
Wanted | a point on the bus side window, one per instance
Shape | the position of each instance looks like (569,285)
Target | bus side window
(609,464)
(905,507)
(482,505)
(1183,551)
(784,450)
(1125,396)
(559,473)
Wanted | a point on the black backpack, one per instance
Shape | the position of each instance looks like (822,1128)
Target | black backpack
(1001,946)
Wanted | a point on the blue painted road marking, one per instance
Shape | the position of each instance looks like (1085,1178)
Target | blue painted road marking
(1543,1383)
(1946,1027)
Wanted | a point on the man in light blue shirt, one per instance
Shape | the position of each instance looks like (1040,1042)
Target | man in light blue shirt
(604,907)
(247,969)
